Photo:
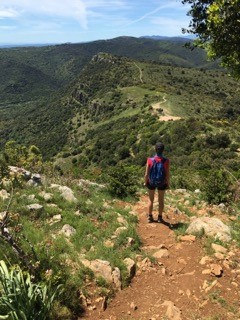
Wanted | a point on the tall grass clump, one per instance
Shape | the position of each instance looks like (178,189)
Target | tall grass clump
(20,298)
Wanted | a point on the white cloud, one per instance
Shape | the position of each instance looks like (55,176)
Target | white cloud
(89,19)
(8,13)
(79,10)
(54,8)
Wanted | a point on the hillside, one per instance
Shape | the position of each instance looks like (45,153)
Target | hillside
(62,63)
(67,98)
(120,104)
(36,84)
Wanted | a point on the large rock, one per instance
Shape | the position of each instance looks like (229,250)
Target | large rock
(218,248)
(173,313)
(35,207)
(211,226)
(214,270)
(119,230)
(162,253)
(131,267)
(46,196)
(56,218)
(4,194)
(100,268)
(66,192)
(3,215)
(35,180)
(122,220)
(68,230)
(87,183)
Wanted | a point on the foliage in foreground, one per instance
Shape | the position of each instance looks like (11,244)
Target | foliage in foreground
(94,216)
(21,299)
(216,23)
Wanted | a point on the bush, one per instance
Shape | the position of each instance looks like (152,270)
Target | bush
(19,155)
(217,187)
(220,140)
(4,171)
(123,153)
(122,181)
(184,179)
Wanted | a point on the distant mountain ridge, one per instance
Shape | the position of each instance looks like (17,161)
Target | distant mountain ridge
(62,63)
(153,37)
(176,38)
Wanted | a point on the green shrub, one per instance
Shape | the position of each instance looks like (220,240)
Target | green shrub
(4,171)
(123,153)
(122,181)
(19,155)
(217,187)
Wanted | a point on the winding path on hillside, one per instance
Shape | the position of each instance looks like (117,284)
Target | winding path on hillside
(157,107)
(174,286)
(140,73)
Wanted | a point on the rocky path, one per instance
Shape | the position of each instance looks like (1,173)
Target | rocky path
(183,283)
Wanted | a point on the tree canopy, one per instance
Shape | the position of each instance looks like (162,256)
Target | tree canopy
(216,23)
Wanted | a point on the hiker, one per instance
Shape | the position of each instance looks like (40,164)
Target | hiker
(157,177)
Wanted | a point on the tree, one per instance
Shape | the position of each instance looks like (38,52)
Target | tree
(217,26)
(19,155)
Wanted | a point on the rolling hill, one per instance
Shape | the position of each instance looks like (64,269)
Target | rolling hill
(84,101)
(62,63)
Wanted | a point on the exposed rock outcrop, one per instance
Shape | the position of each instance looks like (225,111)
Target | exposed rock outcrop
(210,226)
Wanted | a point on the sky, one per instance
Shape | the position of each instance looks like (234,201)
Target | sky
(61,21)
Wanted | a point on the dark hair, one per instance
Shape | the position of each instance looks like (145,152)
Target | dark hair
(159,147)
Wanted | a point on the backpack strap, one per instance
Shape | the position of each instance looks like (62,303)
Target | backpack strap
(163,159)
(151,160)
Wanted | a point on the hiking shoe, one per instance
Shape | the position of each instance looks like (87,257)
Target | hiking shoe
(160,219)
(150,218)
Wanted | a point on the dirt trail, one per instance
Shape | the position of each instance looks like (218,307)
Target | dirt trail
(159,106)
(175,286)
(140,72)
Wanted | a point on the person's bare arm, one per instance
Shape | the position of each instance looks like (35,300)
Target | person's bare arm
(146,174)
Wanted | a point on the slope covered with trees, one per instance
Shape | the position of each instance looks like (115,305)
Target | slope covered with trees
(36,83)
(93,105)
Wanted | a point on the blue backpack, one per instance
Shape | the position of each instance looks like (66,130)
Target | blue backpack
(157,172)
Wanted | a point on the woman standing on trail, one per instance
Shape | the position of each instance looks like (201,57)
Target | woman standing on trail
(157,177)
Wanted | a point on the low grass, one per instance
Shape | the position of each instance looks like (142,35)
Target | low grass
(215,297)
(180,229)
(95,222)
